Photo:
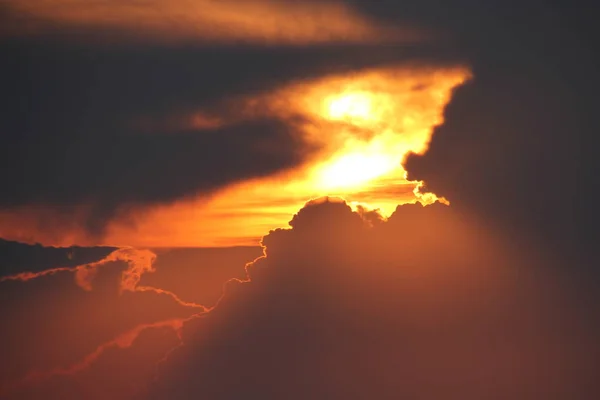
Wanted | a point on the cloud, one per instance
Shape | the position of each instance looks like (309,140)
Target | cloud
(425,304)
(59,89)
(512,149)
(343,303)
(264,22)
(428,303)
(516,145)
(74,121)
(111,170)
(57,329)
(139,263)
(70,329)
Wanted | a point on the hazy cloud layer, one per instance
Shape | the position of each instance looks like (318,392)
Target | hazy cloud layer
(345,304)
(518,141)
(517,146)
(64,325)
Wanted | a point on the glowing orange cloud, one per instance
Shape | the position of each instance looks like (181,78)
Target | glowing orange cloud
(364,124)
(223,21)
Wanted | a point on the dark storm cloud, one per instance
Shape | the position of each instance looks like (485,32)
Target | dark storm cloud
(518,142)
(108,169)
(68,115)
(421,306)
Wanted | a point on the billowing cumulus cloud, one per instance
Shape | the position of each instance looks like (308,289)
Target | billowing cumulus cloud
(426,304)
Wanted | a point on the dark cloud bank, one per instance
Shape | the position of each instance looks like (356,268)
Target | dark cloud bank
(518,144)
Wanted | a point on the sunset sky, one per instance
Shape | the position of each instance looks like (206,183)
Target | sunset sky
(277,199)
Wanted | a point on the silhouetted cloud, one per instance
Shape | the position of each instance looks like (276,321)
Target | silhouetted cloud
(517,143)
(62,323)
(73,121)
(425,305)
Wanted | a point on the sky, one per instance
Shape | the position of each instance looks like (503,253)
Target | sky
(280,199)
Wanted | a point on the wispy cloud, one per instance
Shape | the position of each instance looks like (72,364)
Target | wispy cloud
(230,21)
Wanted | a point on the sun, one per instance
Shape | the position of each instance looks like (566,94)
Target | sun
(358,161)
(355,170)
(350,106)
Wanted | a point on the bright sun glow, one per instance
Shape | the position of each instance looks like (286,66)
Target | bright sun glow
(360,126)
(356,163)
(363,125)
(355,170)
(350,106)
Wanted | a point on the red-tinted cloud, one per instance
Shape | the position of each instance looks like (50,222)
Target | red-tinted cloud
(62,328)
(345,304)
(424,305)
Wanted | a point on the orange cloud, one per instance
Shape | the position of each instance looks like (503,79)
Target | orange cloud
(362,123)
(425,303)
(228,21)
(358,127)
(350,289)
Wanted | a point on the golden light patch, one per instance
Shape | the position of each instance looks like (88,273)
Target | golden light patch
(350,106)
(350,171)
(364,124)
